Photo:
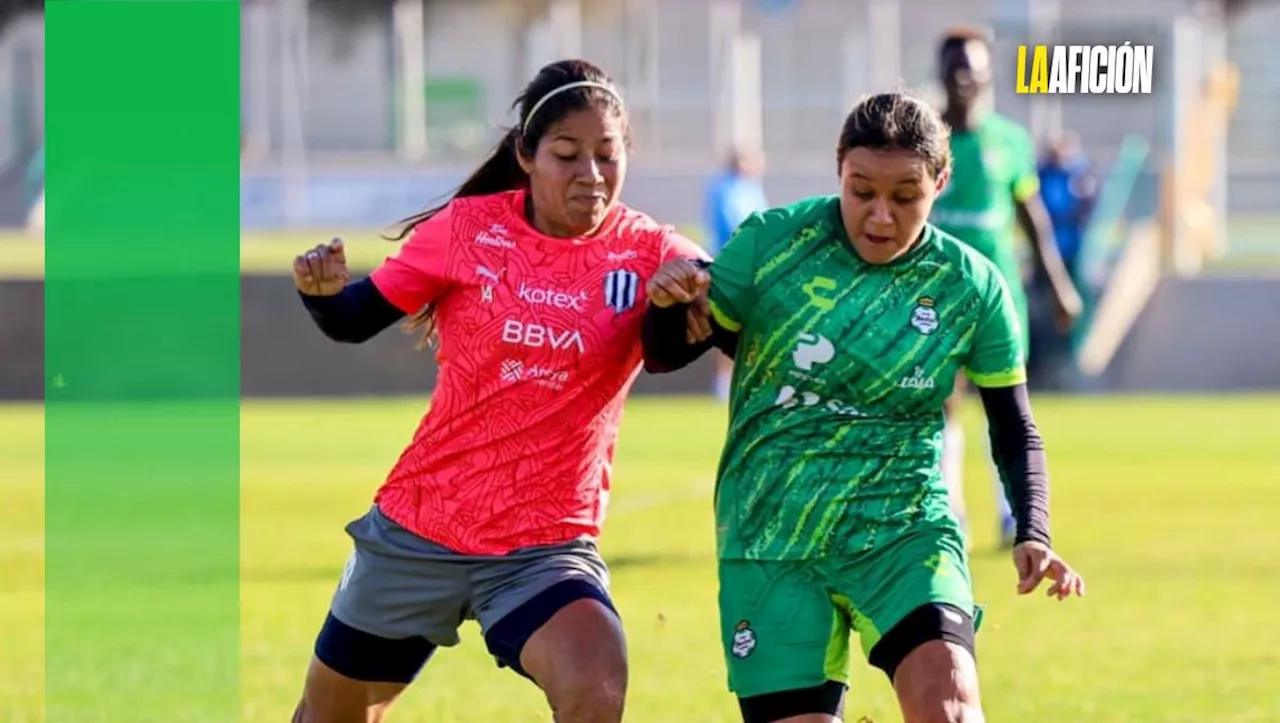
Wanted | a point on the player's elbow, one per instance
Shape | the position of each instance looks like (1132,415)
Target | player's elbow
(341,327)
(344,335)
(655,363)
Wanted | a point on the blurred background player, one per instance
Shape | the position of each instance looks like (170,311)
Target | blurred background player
(993,192)
(732,195)
(1069,189)
(33,188)
(831,513)
(532,276)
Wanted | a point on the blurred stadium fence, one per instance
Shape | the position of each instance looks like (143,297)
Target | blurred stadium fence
(357,112)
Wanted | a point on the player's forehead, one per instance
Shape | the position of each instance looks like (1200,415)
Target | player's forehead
(590,125)
(875,165)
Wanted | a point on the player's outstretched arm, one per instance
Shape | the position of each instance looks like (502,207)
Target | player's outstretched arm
(354,315)
(345,312)
(1018,452)
(665,336)
(1035,222)
(678,326)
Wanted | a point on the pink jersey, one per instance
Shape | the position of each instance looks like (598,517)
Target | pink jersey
(539,345)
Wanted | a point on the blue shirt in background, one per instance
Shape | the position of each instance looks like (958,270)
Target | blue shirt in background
(1066,207)
(730,199)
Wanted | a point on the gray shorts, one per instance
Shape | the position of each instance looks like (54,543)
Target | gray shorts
(398,585)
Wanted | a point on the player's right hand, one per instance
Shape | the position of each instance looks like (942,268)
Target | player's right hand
(679,281)
(1036,562)
(322,271)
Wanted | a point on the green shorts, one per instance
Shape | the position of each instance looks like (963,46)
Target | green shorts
(786,624)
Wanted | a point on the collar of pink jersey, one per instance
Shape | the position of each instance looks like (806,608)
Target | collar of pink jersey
(516,210)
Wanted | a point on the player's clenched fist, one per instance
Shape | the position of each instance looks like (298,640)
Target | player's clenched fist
(322,271)
(679,281)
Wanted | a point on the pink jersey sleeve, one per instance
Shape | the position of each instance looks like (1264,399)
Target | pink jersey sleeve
(416,274)
(675,246)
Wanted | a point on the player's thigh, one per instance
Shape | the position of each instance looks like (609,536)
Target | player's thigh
(547,614)
(786,642)
(914,590)
(331,697)
(395,603)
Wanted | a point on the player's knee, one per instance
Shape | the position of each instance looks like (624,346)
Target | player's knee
(945,711)
(591,704)
(577,656)
(367,704)
(938,683)
(590,696)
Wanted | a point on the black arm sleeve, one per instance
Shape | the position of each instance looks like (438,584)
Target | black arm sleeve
(354,315)
(1018,451)
(666,349)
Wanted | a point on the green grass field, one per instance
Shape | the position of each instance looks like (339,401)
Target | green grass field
(1166,505)
(1253,248)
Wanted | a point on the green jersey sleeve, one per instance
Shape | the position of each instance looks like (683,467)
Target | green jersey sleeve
(1026,177)
(995,360)
(733,276)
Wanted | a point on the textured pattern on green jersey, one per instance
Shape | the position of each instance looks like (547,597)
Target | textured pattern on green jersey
(992,165)
(835,431)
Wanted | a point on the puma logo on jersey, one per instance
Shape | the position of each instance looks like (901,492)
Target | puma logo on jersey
(485,272)
(812,349)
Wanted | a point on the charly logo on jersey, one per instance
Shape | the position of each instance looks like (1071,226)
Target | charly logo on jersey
(744,639)
(817,290)
(621,287)
(917,380)
(925,316)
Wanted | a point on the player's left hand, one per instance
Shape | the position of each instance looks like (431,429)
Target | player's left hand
(1036,562)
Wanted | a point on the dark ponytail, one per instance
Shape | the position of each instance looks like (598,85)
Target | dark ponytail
(501,171)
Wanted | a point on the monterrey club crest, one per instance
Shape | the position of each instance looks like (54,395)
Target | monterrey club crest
(620,289)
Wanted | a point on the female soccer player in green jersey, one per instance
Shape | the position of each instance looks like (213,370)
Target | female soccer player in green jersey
(849,317)
(994,191)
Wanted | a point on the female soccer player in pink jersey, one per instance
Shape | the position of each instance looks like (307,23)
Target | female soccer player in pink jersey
(532,278)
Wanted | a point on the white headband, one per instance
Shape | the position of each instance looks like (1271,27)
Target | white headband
(563,88)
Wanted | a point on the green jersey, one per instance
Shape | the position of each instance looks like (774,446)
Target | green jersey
(992,165)
(836,410)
